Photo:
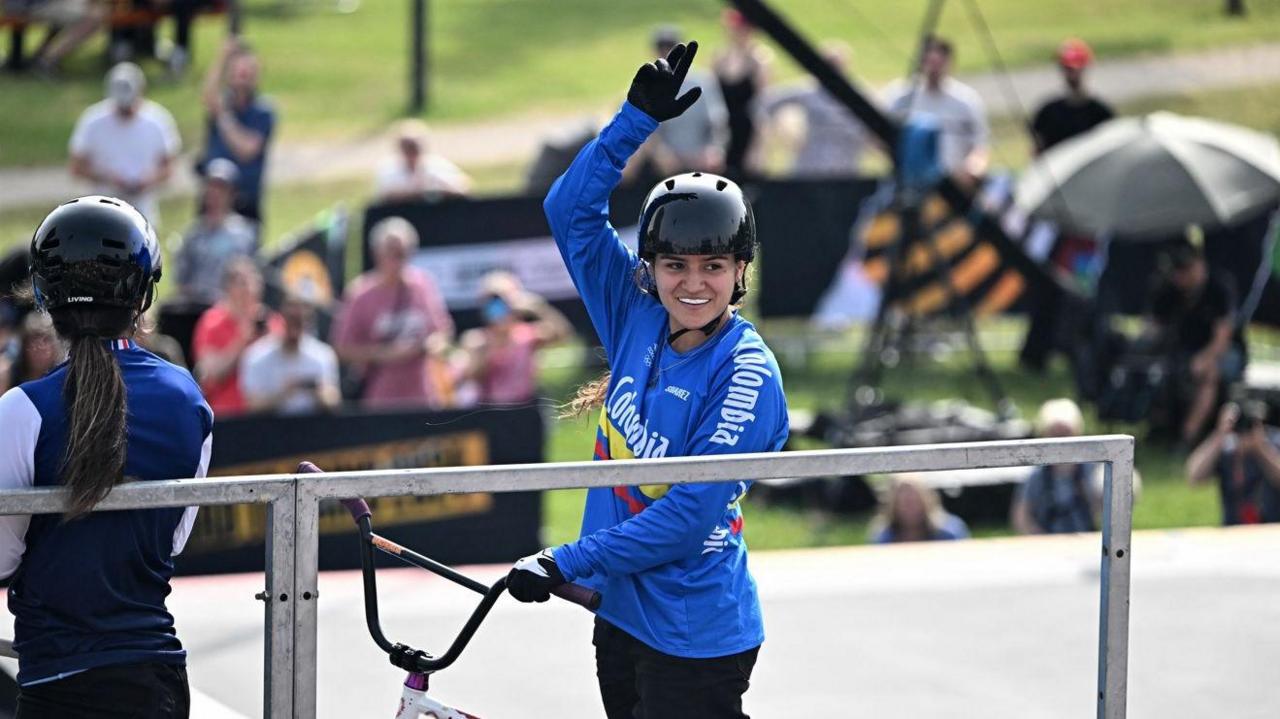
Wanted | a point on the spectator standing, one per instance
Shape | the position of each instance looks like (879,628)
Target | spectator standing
(241,122)
(741,70)
(502,355)
(415,172)
(224,332)
(1075,112)
(10,345)
(125,145)
(1241,452)
(40,349)
(834,139)
(292,373)
(1195,312)
(956,109)
(394,324)
(75,21)
(215,238)
(912,512)
(695,140)
(1063,497)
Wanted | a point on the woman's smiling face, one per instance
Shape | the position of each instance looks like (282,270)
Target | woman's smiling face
(695,289)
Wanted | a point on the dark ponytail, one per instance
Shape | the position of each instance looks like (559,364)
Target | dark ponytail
(95,398)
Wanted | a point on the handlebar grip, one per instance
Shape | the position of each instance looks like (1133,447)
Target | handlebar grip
(358,508)
(578,594)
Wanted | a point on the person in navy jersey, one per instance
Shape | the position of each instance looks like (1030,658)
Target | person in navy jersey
(87,589)
(680,627)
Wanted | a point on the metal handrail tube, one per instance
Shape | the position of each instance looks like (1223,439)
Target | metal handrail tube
(261,489)
(293,524)
(716,468)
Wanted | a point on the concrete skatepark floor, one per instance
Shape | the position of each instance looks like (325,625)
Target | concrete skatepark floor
(983,628)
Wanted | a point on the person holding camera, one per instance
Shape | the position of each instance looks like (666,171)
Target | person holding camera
(1242,452)
(226,330)
(291,373)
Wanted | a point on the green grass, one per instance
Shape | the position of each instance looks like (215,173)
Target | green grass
(817,379)
(346,74)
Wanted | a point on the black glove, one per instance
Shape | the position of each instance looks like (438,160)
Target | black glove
(656,84)
(533,578)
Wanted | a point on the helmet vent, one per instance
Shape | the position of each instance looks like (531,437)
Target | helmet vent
(697,174)
(107,201)
(113,244)
(50,243)
(721,184)
(671,184)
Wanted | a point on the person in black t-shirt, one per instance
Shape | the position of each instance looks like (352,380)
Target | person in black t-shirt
(1077,111)
(1196,312)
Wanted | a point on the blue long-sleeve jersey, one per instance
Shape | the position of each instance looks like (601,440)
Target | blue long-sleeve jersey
(670,561)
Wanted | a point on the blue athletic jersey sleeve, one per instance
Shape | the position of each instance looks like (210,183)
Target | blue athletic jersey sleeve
(744,412)
(577,209)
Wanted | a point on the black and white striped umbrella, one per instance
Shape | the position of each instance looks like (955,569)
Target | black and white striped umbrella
(1153,176)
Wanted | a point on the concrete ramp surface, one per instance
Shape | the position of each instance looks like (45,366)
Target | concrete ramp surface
(982,628)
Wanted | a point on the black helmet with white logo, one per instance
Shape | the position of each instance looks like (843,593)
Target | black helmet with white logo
(697,213)
(95,251)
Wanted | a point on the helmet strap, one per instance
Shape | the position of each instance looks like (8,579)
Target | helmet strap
(707,330)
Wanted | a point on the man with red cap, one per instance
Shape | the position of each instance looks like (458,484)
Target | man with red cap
(1077,111)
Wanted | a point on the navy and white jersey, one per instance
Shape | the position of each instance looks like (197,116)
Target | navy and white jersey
(90,592)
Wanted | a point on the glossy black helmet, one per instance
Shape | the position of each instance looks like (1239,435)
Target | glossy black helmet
(95,251)
(697,213)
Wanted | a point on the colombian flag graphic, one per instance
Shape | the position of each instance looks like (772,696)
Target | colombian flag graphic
(610,444)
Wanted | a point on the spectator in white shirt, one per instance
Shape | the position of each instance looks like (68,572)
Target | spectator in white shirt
(125,145)
(956,108)
(293,373)
(415,172)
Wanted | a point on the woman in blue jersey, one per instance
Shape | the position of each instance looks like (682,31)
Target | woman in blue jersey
(680,627)
(87,590)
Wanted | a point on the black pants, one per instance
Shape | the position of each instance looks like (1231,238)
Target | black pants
(639,682)
(136,691)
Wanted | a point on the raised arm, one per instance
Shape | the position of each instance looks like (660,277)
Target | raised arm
(577,206)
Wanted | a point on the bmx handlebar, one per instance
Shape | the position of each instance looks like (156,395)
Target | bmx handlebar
(402,655)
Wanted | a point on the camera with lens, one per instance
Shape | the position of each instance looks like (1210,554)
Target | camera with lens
(1251,414)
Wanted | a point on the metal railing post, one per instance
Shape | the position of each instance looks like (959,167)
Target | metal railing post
(278,648)
(306,571)
(1113,619)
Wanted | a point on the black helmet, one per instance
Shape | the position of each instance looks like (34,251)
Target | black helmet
(697,213)
(97,251)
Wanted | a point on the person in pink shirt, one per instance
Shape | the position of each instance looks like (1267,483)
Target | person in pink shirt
(225,330)
(501,355)
(394,325)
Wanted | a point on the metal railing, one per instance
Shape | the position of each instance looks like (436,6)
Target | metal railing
(293,528)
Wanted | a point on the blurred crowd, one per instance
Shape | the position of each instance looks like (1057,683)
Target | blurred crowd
(391,340)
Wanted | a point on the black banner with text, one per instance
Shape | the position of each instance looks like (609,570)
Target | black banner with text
(451,528)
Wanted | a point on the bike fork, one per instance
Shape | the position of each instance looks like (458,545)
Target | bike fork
(414,702)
